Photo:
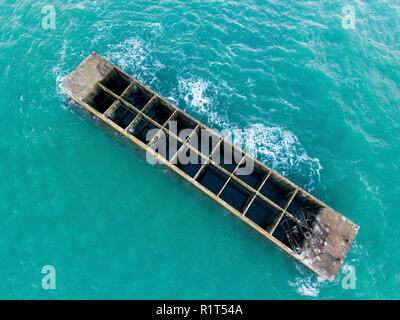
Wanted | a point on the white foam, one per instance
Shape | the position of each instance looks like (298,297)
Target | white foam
(193,92)
(155,27)
(59,69)
(129,53)
(134,55)
(306,287)
(273,145)
(309,284)
(282,150)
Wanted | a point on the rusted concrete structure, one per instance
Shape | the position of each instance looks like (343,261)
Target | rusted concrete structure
(293,219)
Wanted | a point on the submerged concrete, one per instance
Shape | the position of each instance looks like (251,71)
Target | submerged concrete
(301,225)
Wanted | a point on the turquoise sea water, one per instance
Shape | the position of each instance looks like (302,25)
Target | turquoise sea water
(324,102)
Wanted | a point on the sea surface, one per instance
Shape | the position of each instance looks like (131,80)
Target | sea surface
(322,97)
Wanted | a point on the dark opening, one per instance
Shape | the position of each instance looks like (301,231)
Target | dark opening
(235,195)
(289,233)
(227,157)
(253,179)
(208,142)
(262,213)
(183,122)
(277,191)
(159,112)
(101,101)
(301,207)
(138,97)
(123,116)
(168,146)
(192,167)
(117,82)
(212,178)
(141,129)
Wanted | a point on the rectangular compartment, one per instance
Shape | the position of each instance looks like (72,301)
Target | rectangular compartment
(212,178)
(123,115)
(227,156)
(100,100)
(141,129)
(207,141)
(302,207)
(181,126)
(235,195)
(116,81)
(137,96)
(189,161)
(194,139)
(289,233)
(166,145)
(263,214)
(159,111)
(277,190)
(252,177)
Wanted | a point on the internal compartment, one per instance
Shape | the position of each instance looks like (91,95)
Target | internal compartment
(116,81)
(160,112)
(167,146)
(123,115)
(207,141)
(227,156)
(263,214)
(252,177)
(195,138)
(277,190)
(100,100)
(137,96)
(141,129)
(289,233)
(189,161)
(235,195)
(304,208)
(212,178)
(180,122)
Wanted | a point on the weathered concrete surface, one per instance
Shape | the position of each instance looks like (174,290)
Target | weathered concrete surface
(331,236)
(82,80)
(331,241)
